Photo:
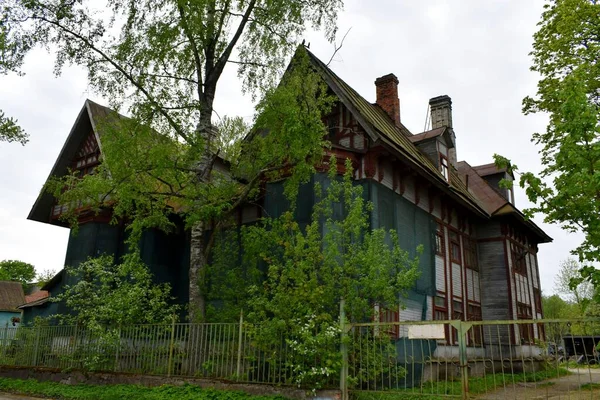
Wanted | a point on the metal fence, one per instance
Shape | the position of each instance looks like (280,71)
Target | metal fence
(412,359)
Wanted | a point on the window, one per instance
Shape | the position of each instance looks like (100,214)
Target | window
(474,336)
(439,239)
(444,167)
(457,313)
(526,330)
(389,316)
(518,255)
(332,125)
(457,310)
(537,297)
(470,248)
(440,312)
(454,247)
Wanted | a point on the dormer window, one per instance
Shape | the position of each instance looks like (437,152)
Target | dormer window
(444,167)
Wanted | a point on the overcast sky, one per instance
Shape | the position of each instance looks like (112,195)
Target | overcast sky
(474,51)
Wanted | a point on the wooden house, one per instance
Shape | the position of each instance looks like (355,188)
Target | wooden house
(480,258)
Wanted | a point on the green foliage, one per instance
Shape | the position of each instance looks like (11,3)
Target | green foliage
(565,52)
(44,277)
(569,283)
(108,294)
(165,60)
(295,277)
(117,392)
(16,271)
(231,132)
(10,131)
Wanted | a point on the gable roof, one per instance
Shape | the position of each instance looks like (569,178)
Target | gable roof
(380,128)
(89,116)
(11,296)
(488,197)
(427,135)
(496,204)
(490,169)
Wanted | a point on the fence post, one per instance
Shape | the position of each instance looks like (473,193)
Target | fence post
(463,328)
(37,346)
(344,351)
(240,343)
(6,344)
(118,350)
(170,366)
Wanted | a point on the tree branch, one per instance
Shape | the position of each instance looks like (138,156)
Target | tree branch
(195,52)
(220,65)
(337,48)
(119,68)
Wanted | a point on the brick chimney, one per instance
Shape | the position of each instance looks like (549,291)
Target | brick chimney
(387,96)
(441,111)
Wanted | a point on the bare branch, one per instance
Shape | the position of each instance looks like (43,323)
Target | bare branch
(337,48)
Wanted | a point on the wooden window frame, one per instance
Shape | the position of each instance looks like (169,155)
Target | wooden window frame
(439,236)
(385,315)
(470,253)
(454,242)
(445,167)
(475,334)
(518,254)
(440,313)
(524,312)
(457,315)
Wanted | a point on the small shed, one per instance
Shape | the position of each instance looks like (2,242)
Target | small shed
(581,345)
(11,297)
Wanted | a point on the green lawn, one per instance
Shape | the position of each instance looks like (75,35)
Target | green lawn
(453,389)
(119,392)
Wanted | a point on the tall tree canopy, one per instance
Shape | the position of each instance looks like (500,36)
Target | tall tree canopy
(566,51)
(17,271)
(163,61)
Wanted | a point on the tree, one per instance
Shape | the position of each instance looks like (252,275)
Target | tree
(44,277)
(568,283)
(10,131)
(17,271)
(165,62)
(567,190)
(109,294)
(10,57)
(293,279)
(557,308)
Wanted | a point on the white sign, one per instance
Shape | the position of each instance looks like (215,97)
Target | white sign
(426,332)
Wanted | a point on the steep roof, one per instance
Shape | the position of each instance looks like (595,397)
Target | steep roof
(11,296)
(481,198)
(495,204)
(40,294)
(490,169)
(427,135)
(89,116)
(488,197)
(380,127)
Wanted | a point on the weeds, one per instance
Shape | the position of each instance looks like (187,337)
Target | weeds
(117,392)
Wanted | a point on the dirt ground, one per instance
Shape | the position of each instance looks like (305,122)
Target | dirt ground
(565,388)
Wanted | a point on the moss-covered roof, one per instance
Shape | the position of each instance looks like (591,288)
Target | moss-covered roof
(381,128)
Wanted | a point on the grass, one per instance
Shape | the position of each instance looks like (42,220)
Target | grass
(117,392)
(590,386)
(444,389)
